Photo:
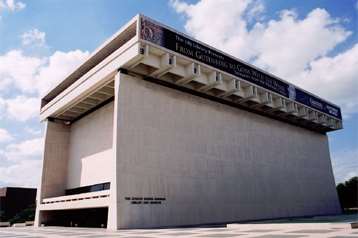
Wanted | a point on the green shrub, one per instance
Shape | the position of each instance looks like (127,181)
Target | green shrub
(348,193)
(28,214)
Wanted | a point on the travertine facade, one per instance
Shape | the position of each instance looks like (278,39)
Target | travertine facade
(90,152)
(164,141)
(214,163)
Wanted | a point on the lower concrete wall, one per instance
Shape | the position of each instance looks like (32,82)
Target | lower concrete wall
(54,167)
(90,150)
(55,160)
(213,163)
(76,155)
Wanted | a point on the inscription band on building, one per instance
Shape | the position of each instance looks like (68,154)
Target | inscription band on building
(164,37)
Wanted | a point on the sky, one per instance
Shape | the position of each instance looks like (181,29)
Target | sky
(313,44)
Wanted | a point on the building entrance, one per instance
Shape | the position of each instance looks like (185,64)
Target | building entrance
(92,217)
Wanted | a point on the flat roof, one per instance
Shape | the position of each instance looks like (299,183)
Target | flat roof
(164,36)
(170,48)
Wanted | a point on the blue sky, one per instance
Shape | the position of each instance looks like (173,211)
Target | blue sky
(311,43)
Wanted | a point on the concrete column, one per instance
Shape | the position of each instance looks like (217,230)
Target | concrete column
(38,218)
(54,167)
(113,220)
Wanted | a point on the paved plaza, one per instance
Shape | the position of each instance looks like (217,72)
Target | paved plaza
(272,230)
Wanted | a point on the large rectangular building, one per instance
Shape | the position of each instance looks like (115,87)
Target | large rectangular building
(14,200)
(157,129)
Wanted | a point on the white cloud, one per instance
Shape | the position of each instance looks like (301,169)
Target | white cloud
(350,175)
(218,23)
(255,12)
(24,150)
(334,78)
(2,108)
(37,74)
(19,70)
(33,37)
(296,49)
(15,5)
(33,131)
(22,108)
(23,79)
(25,173)
(286,46)
(57,67)
(345,164)
(32,77)
(20,163)
(11,5)
(5,136)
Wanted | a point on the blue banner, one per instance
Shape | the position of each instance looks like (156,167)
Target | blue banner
(183,45)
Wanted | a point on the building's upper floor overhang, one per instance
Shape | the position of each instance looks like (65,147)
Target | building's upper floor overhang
(158,53)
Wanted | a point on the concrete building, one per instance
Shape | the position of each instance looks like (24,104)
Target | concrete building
(157,129)
(14,200)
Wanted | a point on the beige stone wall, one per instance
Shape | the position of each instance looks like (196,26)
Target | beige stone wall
(54,167)
(55,160)
(90,150)
(213,163)
(76,155)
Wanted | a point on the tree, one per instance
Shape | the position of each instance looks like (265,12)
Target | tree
(348,193)
(28,214)
(2,215)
